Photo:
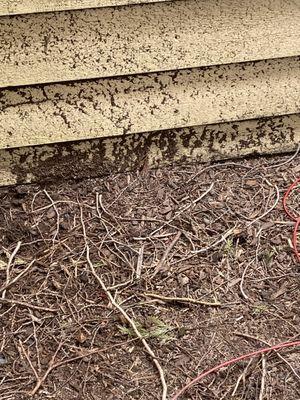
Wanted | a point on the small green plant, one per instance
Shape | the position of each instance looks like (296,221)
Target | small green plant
(228,248)
(160,330)
(260,309)
(155,329)
(100,264)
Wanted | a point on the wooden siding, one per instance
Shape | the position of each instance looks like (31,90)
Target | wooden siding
(108,42)
(12,7)
(141,103)
(91,158)
(100,89)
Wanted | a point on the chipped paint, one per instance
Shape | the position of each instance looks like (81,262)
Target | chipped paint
(144,103)
(183,71)
(99,157)
(108,42)
(11,7)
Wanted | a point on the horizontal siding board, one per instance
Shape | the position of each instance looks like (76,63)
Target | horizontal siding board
(106,42)
(109,155)
(141,103)
(13,7)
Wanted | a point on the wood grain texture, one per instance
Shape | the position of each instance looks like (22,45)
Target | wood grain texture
(106,42)
(143,103)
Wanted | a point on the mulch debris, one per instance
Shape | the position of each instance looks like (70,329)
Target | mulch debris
(199,257)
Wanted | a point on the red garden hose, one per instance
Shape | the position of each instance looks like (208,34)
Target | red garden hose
(233,361)
(295,218)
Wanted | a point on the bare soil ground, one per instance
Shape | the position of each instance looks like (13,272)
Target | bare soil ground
(207,233)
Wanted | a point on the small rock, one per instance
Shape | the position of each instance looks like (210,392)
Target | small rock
(202,275)
(219,280)
(84,277)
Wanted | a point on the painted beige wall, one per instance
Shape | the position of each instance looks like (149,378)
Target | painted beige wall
(141,103)
(213,111)
(109,155)
(10,7)
(107,42)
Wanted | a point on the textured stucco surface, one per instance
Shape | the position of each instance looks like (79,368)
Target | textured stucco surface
(105,42)
(145,103)
(104,156)
(10,7)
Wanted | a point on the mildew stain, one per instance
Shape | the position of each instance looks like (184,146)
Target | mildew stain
(199,96)
(99,157)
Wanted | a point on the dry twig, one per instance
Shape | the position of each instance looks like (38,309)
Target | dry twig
(271,208)
(52,365)
(215,243)
(263,377)
(140,262)
(161,263)
(16,279)
(131,323)
(242,281)
(184,209)
(241,377)
(57,215)
(182,300)
(28,305)
(287,161)
(10,261)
